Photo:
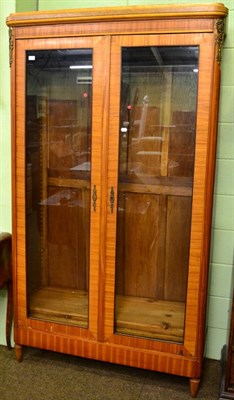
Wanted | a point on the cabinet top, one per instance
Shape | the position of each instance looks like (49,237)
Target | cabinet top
(216,10)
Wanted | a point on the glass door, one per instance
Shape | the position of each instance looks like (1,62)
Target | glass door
(63,129)
(58,159)
(153,190)
(155,181)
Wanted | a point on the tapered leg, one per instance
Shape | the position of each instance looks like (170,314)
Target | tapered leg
(19,352)
(9,314)
(194,387)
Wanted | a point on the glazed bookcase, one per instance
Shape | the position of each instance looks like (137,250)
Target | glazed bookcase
(114,117)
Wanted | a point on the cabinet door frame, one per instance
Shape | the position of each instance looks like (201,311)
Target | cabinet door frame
(198,267)
(100,46)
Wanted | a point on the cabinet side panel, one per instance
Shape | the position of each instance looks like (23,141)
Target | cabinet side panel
(200,231)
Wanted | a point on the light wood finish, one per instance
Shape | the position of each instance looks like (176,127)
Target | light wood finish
(69,183)
(97,44)
(135,315)
(118,13)
(194,386)
(105,324)
(146,318)
(60,305)
(195,265)
(19,352)
(155,189)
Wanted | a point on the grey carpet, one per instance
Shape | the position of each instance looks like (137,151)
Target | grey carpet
(44,375)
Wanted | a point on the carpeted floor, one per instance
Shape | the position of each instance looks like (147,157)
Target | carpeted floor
(44,375)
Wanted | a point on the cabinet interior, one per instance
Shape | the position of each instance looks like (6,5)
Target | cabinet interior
(155,184)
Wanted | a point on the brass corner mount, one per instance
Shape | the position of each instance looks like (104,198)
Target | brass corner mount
(220,35)
(11,45)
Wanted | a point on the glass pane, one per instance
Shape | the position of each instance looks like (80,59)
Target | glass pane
(155,181)
(58,157)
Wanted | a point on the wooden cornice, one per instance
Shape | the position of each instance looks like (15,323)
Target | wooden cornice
(216,10)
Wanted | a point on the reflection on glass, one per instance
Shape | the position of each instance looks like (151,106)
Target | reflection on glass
(156,164)
(58,155)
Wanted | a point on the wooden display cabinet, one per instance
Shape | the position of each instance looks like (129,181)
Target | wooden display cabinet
(114,116)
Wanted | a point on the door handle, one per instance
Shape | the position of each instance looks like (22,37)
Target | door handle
(94,197)
(112,199)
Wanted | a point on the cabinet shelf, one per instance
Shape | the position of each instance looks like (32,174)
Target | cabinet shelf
(162,188)
(156,189)
(69,183)
(60,305)
(138,316)
(157,319)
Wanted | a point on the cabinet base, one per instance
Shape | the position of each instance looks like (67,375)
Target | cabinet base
(19,352)
(194,387)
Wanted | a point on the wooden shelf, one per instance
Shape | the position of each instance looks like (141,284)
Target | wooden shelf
(69,183)
(174,186)
(60,305)
(162,188)
(135,316)
(145,317)
(155,189)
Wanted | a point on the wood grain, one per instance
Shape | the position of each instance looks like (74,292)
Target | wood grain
(117,13)
(155,189)
(175,196)
(60,305)
(177,248)
(139,316)
(140,262)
